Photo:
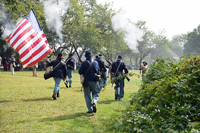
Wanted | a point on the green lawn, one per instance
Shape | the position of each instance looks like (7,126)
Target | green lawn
(26,104)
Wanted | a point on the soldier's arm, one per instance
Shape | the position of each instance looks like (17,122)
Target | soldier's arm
(112,68)
(125,69)
(96,67)
(141,67)
(104,67)
(80,71)
(50,64)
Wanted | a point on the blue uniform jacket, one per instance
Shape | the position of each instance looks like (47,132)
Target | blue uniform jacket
(91,73)
(121,68)
(70,63)
(102,66)
(61,70)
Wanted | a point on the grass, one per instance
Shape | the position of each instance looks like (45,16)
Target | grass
(26,104)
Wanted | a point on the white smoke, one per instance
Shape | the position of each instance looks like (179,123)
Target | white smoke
(53,12)
(132,33)
(8,25)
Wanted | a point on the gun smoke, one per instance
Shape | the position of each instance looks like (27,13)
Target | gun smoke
(8,25)
(53,13)
(132,33)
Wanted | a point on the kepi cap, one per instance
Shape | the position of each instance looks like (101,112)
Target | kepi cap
(100,54)
(88,52)
(71,54)
(59,54)
(144,62)
(119,56)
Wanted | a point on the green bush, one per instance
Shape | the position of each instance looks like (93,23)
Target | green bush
(168,100)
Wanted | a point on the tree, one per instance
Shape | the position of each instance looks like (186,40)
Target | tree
(145,46)
(177,44)
(160,48)
(193,41)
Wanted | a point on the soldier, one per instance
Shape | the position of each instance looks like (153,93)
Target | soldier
(46,61)
(93,85)
(34,70)
(117,69)
(59,73)
(5,60)
(70,63)
(102,72)
(12,64)
(144,69)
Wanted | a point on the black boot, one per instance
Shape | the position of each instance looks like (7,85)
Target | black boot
(66,84)
(58,95)
(94,107)
(116,96)
(54,96)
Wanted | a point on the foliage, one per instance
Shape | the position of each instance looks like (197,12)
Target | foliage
(168,100)
(120,77)
(193,41)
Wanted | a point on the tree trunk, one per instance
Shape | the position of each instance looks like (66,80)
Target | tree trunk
(131,62)
(136,64)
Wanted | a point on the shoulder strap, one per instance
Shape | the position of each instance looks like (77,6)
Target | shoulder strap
(67,60)
(118,67)
(88,67)
(56,66)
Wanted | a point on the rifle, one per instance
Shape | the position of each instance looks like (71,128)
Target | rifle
(110,63)
(140,64)
(77,54)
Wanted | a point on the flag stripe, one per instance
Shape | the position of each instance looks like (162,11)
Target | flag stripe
(36,50)
(20,26)
(22,37)
(31,48)
(24,43)
(37,58)
(31,42)
(20,34)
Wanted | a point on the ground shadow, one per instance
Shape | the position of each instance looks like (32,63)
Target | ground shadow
(52,87)
(106,102)
(38,99)
(5,101)
(65,117)
(79,90)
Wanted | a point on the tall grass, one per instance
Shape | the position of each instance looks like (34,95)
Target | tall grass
(26,104)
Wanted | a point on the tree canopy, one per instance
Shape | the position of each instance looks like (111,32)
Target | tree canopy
(89,26)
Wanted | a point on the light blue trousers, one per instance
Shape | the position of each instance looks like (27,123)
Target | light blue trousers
(119,85)
(57,84)
(69,74)
(101,84)
(93,87)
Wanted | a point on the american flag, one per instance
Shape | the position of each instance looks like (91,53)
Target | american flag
(29,41)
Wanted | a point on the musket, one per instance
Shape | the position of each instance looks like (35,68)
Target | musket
(140,64)
(77,53)
(110,63)
(79,60)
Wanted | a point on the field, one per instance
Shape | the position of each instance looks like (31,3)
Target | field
(26,104)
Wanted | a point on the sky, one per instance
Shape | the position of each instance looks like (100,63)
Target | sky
(176,17)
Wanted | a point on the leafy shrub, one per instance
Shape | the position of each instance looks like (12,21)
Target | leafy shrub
(168,100)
